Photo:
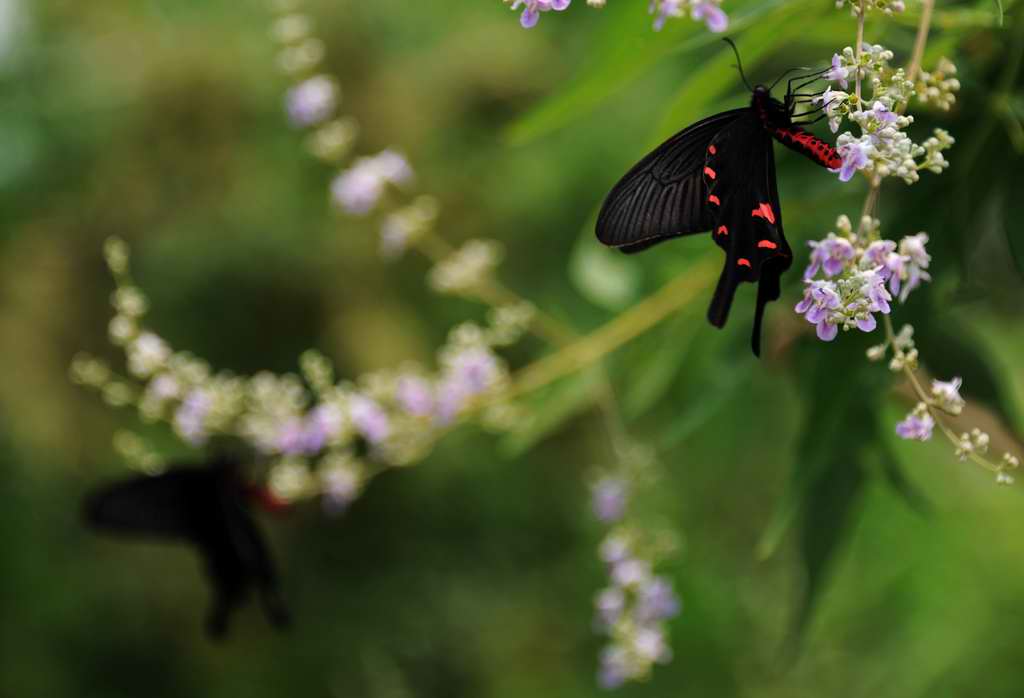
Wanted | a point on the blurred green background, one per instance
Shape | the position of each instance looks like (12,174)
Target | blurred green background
(472,574)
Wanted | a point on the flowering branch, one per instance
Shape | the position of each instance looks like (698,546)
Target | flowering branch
(868,271)
(706,10)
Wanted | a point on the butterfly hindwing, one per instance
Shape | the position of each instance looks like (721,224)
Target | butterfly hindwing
(205,507)
(663,195)
(747,218)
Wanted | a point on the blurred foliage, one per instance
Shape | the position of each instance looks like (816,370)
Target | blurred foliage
(472,574)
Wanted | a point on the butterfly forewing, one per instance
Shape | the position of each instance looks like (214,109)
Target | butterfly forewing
(663,195)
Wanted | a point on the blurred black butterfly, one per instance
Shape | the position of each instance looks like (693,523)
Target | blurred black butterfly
(205,507)
(719,175)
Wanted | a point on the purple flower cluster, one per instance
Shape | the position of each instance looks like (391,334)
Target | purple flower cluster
(917,425)
(190,417)
(707,11)
(358,189)
(861,273)
(311,434)
(633,611)
(312,101)
(467,372)
(533,8)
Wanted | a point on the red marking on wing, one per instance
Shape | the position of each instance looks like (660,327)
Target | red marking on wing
(712,149)
(764,211)
(767,244)
(743,262)
(714,200)
(709,172)
(722,230)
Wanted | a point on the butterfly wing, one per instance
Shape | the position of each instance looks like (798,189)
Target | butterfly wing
(663,196)
(206,508)
(161,506)
(744,201)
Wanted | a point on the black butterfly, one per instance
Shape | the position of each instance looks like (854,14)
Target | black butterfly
(207,508)
(718,175)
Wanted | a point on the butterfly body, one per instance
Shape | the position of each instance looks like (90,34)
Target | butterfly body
(717,175)
(206,508)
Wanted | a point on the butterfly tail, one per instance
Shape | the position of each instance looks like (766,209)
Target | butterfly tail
(718,311)
(769,289)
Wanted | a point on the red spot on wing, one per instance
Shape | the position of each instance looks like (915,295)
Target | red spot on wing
(767,244)
(714,200)
(709,172)
(712,149)
(764,211)
(743,262)
(722,230)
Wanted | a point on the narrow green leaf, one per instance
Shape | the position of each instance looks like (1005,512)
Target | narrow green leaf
(717,77)
(625,50)
(829,510)
(650,379)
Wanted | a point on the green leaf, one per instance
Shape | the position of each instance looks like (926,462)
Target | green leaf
(829,509)
(829,473)
(712,79)
(717,386)
(653,376)
(605,277)
(549,409)
(625,50)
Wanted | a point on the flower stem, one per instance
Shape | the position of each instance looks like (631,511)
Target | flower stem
(931,406)
(922,38)
(635,321)
(859,50)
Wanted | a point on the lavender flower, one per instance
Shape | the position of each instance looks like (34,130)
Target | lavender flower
(533,8)
(832,254)
(819,304)
(838,73)
(147,354)
(912,247)
(874,290)
(614,669)
(917,425)
(609,604)
(656,601)
(947,394)
(312,101)
(189,419)
(608,499)
(358,189)
(882,114)
(855,157)
(835,103)
(369,419)
(415,395)
(614,549)
(340,481)
(882,254)
(714,18)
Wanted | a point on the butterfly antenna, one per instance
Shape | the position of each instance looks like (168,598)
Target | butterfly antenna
(739,63)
